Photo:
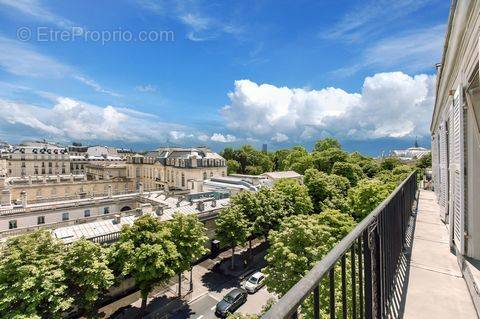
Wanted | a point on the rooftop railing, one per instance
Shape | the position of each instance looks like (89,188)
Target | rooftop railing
(356,278)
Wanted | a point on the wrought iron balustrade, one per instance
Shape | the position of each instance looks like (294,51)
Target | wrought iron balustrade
(363,266)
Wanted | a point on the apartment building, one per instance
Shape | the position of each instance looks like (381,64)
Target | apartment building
(175,168)
(455,129)
(37,159)
(43,188)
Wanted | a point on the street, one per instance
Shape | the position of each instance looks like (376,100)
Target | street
(204,307)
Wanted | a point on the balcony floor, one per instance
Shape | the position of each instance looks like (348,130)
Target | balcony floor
(433,281)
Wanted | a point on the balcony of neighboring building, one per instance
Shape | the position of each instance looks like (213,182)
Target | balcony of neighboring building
(397,263)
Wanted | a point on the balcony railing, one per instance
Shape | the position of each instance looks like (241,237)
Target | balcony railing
(366,262)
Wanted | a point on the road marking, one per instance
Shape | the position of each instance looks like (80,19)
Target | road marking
(200,317)
(212,308)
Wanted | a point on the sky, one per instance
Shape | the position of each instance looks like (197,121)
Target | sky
(146,73)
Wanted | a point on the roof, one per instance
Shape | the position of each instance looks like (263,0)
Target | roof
(284,174)
(93,229)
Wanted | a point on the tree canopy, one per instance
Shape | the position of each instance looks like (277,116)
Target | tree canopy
(87,273)
(32,280)
(326,143)
(188,234)
(148,253)
(232,228)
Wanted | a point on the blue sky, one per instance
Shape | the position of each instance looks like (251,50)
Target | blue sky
(227,73)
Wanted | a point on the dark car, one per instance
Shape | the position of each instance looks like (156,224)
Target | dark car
(234,299)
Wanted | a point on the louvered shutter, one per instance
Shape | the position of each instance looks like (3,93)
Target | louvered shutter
(457,169)
(443,169)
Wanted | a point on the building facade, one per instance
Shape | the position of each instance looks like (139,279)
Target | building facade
(37,159)
(44,188)
(455,129)
(175,168)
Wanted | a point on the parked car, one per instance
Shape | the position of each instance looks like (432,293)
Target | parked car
(234,299)
(254,282)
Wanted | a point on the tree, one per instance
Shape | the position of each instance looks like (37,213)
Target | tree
(32,281)
(425,161)
(233,166)
(279,157)
(326,190)
(296,198)
(324,160)
(150,257)
(188,234)
(87,274)
(299,244)
(326,143)
(269,212)
(366,196)
(231,228)
(352,172)
(370,167)
(389,163)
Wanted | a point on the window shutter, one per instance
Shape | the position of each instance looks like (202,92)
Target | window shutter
(457,169)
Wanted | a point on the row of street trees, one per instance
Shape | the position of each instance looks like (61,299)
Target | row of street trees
(40,277)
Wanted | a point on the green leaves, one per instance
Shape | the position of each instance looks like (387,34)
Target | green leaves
(32,281)
(87,274)
(188,234)
(367,195)
(299,243)
(147,253)
(232,227)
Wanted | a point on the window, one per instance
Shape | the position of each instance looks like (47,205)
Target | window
(211,174)
(65,216)
(40,220)
(183,180)
(12,224)
(86,213)
(204,175)
(106,210)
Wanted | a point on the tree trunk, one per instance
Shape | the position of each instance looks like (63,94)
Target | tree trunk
(191,278)
(250,250)
(179,284)
(143,308)
(232,266)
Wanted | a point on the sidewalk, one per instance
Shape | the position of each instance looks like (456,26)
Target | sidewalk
(435,287)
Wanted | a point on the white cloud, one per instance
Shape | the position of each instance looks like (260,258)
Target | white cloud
(72,119)
(203,137)
(370,17)
(93,84)
(414,51)
(265,108)
(146,88)
(200,25)
(390,105)
(20,59)
(38,11)
(280,137)
(217,137)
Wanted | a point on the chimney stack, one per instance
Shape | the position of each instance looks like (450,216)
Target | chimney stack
(6,197)
(23,197)
(117,219)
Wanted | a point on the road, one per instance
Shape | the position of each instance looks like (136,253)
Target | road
(204,307)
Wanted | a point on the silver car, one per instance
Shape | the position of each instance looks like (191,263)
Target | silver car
(254,282)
